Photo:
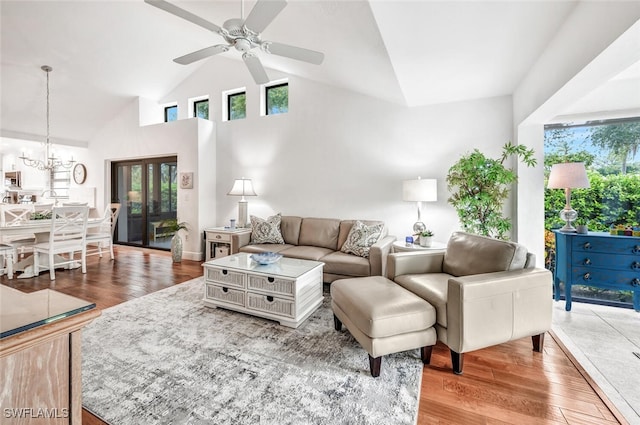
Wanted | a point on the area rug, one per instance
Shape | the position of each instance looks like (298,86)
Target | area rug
(166,359)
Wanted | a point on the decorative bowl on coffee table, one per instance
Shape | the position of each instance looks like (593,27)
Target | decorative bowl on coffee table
(265,258)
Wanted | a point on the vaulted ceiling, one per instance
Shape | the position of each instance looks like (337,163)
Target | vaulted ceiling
(105,53)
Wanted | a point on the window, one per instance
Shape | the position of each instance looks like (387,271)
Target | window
(237,106)
(277,98)
(201,109)
(170,113)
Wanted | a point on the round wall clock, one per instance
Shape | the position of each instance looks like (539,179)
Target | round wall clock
(79,173)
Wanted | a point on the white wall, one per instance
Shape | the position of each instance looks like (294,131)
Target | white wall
(584,55)
(192,141)
(341,154)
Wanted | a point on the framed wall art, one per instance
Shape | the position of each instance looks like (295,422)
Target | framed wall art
(186,180)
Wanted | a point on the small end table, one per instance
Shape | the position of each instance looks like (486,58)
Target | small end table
(401,246)
(222,241)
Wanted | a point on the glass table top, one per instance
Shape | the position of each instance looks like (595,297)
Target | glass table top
(21,311)
(285,267)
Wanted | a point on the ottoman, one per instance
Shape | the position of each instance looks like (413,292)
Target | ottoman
(383,317)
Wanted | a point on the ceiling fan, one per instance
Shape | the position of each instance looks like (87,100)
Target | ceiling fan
(244,36)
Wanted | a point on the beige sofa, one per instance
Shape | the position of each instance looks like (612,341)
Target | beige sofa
(321,239)
(486,292)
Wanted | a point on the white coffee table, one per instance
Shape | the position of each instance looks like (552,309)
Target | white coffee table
(287,291)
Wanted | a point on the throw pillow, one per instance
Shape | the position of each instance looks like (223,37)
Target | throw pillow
(361,237)
(266,231)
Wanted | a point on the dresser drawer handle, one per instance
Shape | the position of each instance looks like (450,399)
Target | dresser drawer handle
(587,276)
(636,249)
(271,279)
(635,265)
(224,272)
(587,245)
(635,282)
(587,262)
(218,237)
(225,290)
(269,298)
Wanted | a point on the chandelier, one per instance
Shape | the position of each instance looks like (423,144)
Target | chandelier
(51,162)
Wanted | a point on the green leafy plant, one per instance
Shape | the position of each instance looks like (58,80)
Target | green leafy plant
(173,225)
(427,233)
(479,186)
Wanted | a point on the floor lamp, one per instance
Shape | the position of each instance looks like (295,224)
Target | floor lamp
(242,187)
(567,176)
(419,191)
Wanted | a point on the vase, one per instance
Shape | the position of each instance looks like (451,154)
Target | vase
(426,241)
(582,229)
(176,248)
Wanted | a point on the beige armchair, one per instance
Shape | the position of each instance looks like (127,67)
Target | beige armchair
(486,292)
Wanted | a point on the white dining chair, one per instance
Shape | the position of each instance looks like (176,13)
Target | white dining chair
(102,236)
(12,215)
(67,236)
(6,260)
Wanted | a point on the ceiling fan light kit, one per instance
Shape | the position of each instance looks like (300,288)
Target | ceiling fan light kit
(244,36)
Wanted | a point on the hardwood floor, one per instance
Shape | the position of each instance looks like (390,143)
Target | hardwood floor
(505,384)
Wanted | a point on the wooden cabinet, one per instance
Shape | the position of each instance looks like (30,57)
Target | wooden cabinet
(599,260)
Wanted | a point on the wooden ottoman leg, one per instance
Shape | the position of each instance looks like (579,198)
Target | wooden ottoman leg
(538,342)
(337,324)
(425,353)
(456,362)
(374,365)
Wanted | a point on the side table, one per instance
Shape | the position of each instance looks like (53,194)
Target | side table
(222,241)
(401,246)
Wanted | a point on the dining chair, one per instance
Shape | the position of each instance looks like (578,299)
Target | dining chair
(102,236)
(15,215)
(6,260)
(67,236)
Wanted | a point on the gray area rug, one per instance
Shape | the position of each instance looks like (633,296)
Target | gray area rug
(166,359)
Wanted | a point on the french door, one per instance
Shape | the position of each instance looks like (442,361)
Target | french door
(147,190)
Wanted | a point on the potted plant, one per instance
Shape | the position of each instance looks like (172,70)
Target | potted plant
(426,238)
(174,226)
(480,185)
(582,226)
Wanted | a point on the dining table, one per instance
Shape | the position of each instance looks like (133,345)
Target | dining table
(41,229)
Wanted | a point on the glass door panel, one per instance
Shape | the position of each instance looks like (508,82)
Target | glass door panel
(147,190)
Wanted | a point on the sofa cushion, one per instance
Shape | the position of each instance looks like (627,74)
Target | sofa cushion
(265,247)
(432,287)
(469,254)
(360,238)
(266,231)
(346,264)
(346,225)
(290,229)
(321,232)
(306,252)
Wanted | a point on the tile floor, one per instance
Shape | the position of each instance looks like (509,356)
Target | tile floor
(603,340)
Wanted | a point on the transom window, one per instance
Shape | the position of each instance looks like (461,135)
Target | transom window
(237,106)
(277,99)
(170,113)
(201,109)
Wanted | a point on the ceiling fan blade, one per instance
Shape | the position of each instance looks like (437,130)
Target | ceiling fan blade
(255,68)
(175,10)
(263,13)
(201,54)
(293,52)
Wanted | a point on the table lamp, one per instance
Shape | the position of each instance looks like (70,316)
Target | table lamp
(419,191)
(242,187)
(567,176)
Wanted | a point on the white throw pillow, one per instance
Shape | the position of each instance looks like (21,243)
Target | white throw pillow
(361,237)
(266,231)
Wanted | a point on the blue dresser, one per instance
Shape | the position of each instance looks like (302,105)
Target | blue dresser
(597,259)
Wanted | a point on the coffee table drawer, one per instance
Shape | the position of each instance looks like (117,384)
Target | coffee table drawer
(228,277)
(227,295)
(272,285)
(270,304)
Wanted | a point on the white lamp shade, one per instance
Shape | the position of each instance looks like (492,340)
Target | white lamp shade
(242,187)
(571,175)
(420,190)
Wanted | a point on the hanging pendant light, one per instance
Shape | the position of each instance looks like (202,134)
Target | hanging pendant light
(51,162)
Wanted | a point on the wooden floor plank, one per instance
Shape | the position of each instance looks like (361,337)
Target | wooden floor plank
(505,384)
